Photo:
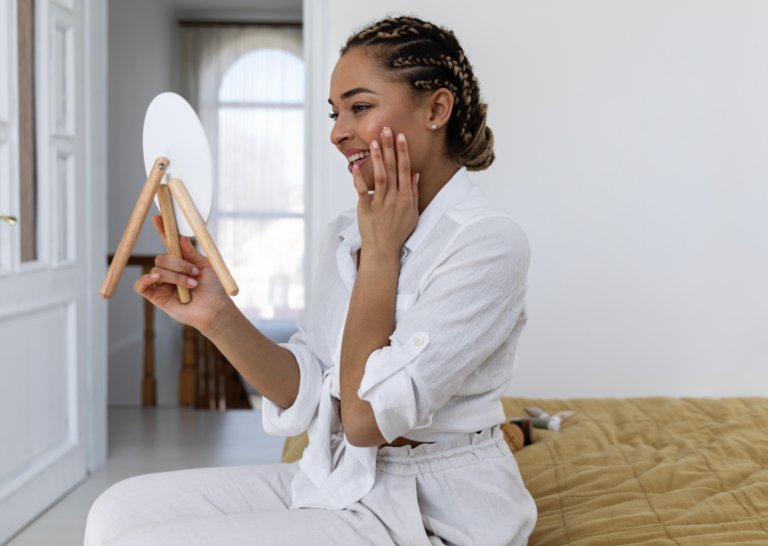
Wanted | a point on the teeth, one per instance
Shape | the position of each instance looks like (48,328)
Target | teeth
(355,157)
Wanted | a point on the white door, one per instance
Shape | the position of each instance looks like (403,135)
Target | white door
(46,259)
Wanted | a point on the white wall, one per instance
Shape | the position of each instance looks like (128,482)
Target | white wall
(631,140)
(142,40)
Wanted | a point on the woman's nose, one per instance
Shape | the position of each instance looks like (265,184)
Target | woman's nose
(341,132)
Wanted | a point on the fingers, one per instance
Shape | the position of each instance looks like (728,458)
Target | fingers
(359,182)
(179,265)
(404,182)
(190,253)
(391,168)
(379,172)
(390,158)
(144,287)
(171,277)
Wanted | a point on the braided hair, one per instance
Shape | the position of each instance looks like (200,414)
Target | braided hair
(429,57)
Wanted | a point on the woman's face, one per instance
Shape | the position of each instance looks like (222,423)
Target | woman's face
(363,103)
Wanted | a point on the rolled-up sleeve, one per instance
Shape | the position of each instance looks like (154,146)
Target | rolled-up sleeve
(291,421)
(467,306)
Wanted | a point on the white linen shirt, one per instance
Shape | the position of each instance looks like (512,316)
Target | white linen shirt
(459,313)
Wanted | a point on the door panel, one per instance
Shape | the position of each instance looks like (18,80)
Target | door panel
(49,370)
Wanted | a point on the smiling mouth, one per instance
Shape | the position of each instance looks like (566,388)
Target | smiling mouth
(358,158)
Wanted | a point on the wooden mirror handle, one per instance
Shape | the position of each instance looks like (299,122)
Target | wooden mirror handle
(134,227)
(171,233)
(201,232)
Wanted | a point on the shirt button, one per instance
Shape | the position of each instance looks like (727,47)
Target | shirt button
(418,341)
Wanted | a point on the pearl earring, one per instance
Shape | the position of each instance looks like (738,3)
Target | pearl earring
(434,126)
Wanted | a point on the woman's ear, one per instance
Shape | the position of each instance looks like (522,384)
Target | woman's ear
(440,107)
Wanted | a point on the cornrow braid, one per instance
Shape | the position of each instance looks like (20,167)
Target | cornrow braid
(429,58)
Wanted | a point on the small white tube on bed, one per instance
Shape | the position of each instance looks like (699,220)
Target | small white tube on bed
(536,411)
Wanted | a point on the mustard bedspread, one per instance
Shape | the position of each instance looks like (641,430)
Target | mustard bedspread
(645,471)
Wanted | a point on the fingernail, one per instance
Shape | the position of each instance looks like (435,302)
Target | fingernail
(375,145)
(154,276)
(417,178)
(191,282)
(195,271)
(401,137)
(387,132)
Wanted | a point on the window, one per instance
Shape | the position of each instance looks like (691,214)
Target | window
(259,206)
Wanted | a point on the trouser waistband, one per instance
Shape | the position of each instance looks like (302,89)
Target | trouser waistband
(462,450)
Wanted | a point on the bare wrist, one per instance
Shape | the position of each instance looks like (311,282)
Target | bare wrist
(380,255)
(224,321)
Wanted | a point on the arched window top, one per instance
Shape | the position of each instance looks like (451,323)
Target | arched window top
(266,75)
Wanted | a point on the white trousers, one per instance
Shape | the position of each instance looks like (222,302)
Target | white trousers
(464,491)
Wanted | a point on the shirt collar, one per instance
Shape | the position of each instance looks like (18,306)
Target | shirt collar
(351,231)
(454,191)
(449,195)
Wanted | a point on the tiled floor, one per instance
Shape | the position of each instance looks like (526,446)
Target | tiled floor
(145,440)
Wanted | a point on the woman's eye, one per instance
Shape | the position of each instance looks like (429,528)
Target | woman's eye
(355,109)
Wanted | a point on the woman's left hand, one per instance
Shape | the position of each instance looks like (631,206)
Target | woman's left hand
(388,217)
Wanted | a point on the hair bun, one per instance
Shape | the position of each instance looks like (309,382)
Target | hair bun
(478,154)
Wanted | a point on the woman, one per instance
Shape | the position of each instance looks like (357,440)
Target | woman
(401,356)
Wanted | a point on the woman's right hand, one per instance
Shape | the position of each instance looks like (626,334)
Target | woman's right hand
(210,303)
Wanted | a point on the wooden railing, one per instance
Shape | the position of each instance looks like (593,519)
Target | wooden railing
(207,379)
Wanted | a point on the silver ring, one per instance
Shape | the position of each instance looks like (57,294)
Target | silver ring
(157,284)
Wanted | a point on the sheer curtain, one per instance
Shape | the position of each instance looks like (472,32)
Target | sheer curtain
(247,85)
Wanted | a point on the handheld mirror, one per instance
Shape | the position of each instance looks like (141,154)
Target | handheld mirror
(176,151)
(173,130)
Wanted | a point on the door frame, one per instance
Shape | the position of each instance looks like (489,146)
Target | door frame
(96,89)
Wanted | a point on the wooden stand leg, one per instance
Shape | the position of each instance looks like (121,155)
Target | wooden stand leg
(171,233)
(189,365)
(134,227)
(149,385)
(201,232)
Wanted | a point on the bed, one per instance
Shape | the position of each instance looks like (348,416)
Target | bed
(644,471)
